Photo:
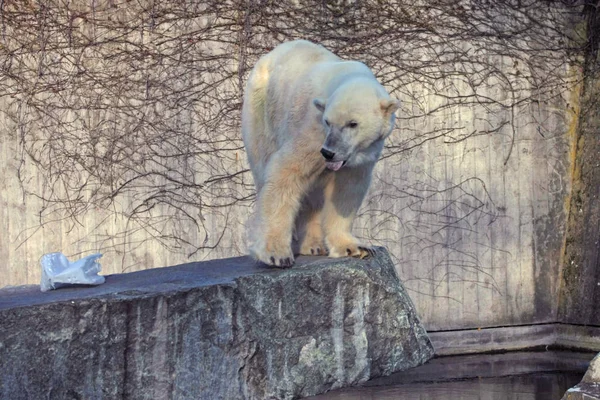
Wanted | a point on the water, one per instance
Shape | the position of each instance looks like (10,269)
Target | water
(540,386)
(509,376)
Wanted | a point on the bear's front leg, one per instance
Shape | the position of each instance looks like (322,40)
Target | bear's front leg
(288,178)
(344,194)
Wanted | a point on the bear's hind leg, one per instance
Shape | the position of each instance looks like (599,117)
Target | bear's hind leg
(343,197)
(310,235)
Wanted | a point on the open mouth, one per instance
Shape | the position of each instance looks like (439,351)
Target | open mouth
(334,165)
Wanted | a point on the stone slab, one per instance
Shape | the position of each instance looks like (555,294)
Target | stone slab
(224,329)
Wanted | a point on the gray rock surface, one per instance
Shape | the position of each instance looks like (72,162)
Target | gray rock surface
(223,329)
(593,373)
(589,387)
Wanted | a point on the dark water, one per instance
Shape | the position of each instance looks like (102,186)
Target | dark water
(541,386)
(509,376)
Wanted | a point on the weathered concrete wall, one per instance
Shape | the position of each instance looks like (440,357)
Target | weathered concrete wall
(580,292)
(470,198)
(227,329)
(479,243)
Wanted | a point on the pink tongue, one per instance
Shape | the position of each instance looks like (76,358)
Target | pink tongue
(334,166)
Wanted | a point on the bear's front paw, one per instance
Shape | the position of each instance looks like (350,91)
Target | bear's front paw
(313,247)
(348,247)
(275,254)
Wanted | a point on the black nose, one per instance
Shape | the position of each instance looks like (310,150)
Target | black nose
(327,154)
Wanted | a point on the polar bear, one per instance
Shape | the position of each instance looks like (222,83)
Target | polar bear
(313,126)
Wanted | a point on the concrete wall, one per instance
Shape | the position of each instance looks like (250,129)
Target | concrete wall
(580,291)
(480,244)
(471,197)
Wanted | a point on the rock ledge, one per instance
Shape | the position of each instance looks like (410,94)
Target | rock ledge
(222,329)
(589,387)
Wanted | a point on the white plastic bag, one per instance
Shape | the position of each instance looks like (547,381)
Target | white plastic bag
(58,271)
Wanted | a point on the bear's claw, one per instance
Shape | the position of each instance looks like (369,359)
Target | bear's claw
(352,250)
(280,262)
(363,252)
(370,252)
(318,251)
(313,246)
(286,262)
(276,254)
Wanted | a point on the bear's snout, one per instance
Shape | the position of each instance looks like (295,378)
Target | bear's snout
(327,154)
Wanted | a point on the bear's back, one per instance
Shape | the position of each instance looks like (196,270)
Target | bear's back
(298,55)
(291,62)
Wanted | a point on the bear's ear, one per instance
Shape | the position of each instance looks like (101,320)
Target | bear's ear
(320,104)
(389,106)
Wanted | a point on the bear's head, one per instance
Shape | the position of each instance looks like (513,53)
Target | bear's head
(357,118)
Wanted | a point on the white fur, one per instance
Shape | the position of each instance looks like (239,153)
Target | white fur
(299,99)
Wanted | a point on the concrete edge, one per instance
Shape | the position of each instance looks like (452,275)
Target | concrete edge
(502,339)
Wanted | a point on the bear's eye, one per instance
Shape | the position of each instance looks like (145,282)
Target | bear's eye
(352,124)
